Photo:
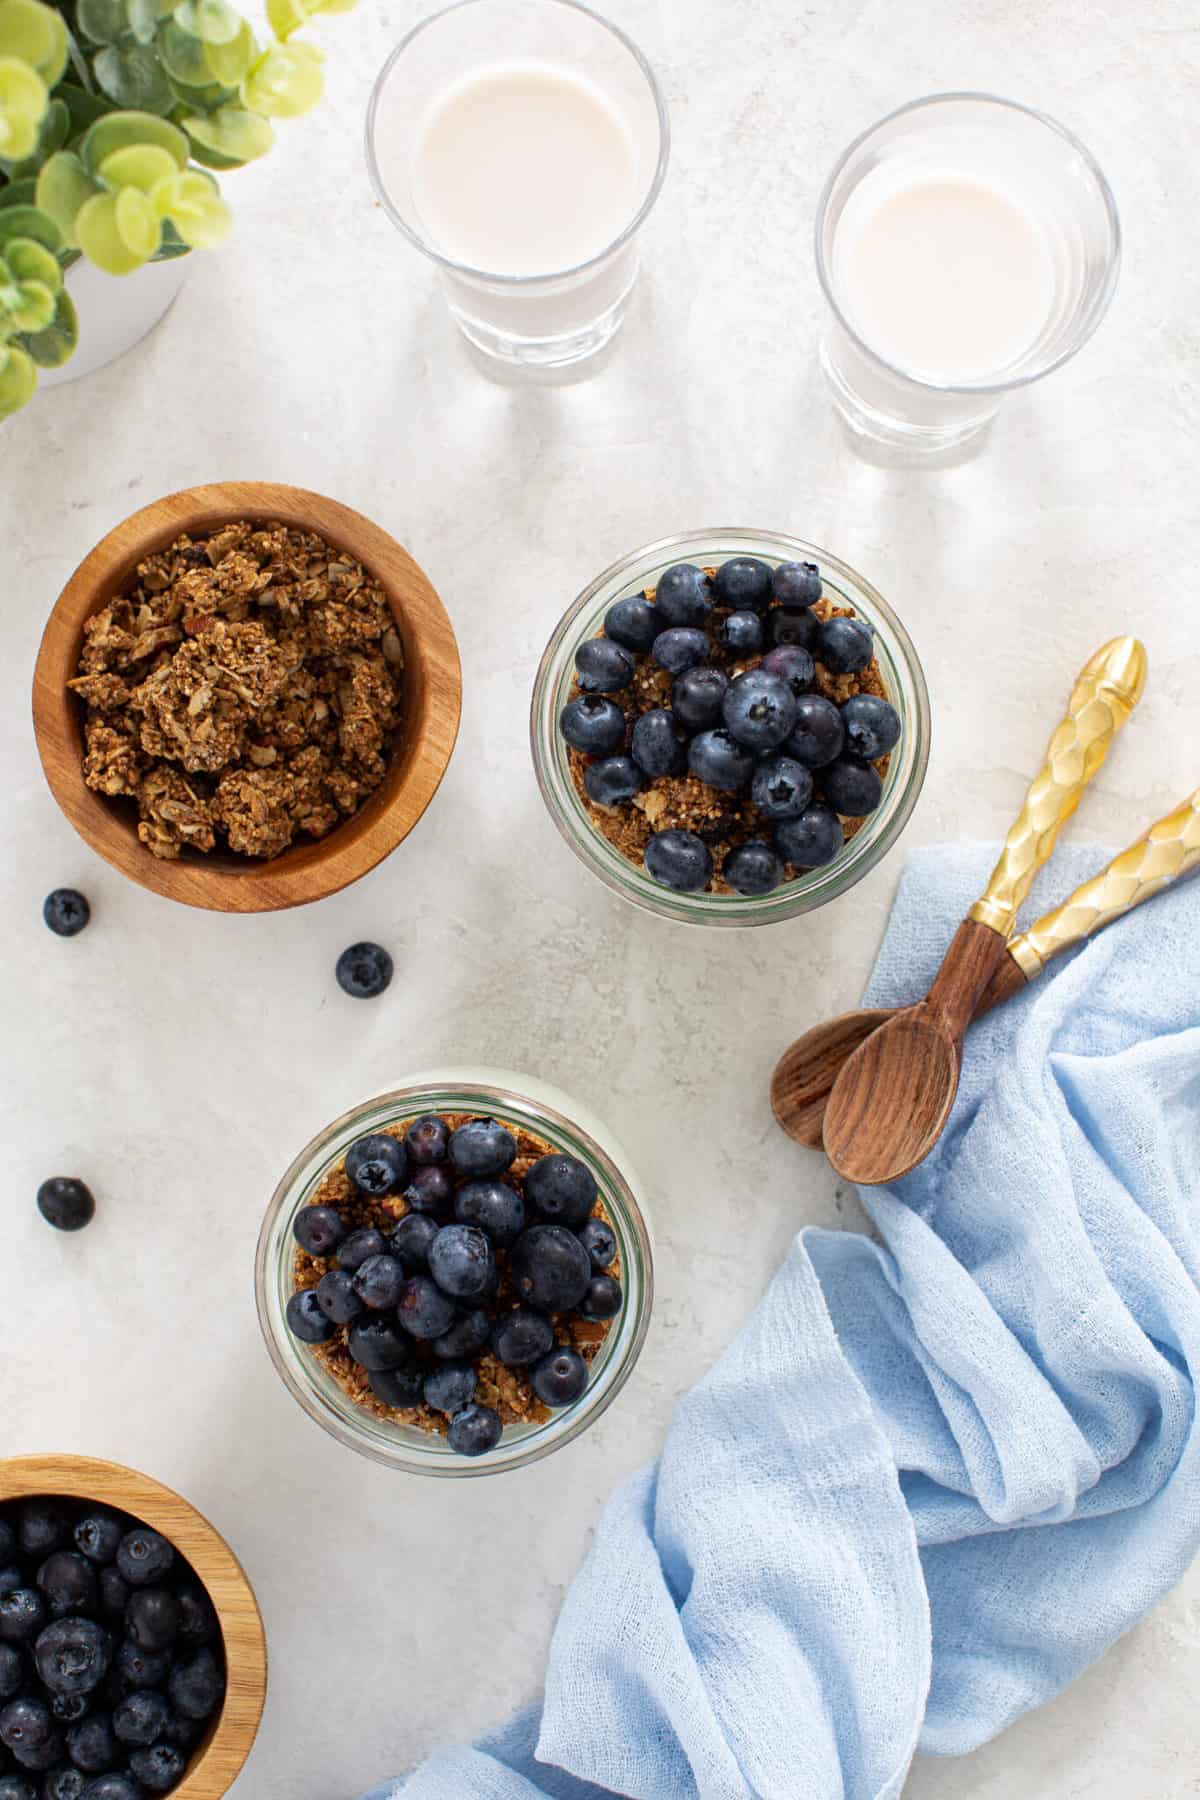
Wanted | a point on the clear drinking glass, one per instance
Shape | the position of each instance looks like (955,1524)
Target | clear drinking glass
(1049,177)
(555,317)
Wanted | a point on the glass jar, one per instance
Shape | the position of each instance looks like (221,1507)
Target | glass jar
(566,1126)
(902,677)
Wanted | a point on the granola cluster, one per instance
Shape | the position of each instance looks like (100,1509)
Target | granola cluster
(246,692)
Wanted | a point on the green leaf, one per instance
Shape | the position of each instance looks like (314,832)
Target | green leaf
(139,166)
(172,245)
(138,223)
(183,55)
(143,19)
(18,379)
(133,76)
(56,343)
(36,34)
(212,21)
(231,133)
(62,187)
(18,193)
(103,21)
(25,305)
(119,130)
(52,135)
(194,206)
(100,236)
(228,63)
(29,222)
(83,107)
(23,103)
(285,82)
(27,260)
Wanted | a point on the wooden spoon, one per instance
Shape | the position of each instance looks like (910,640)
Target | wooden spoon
(889,1104)
(808,1068)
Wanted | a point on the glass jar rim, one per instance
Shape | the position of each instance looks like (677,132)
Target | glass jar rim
(467,270)
(1100,302)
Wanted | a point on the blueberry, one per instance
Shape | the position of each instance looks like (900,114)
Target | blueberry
(465,1338)
(743,583)
(603,1299)
(66,912)
(8,1541)
(359,1247)
(741,633)
(679,649)
(602,667)
(560,1189)
(144,1556)
(482,1147)
(474,1431)
(139,1668)
(114,1594)
(612,782)
(42,1526)
(782,788)
(26,1724)
(196,1687)
(450,1388)
(759,709)
(818,735)
(792,625)
(679,860)
(73,1656)
(684,595)
(412,1238)
(431,1189)
(427,1140)
(111,1787)
(152,1619)
(42,1759)
(398,1387)
(12,1671)
(336,1297)
(141,1719)
(22,1615)
(364,971)
(550,1268)
(378,1282)
(424,1310)
(69,1583)
(812,840)
(377,1164)
(64,1783)
(66,1708)
(305,1320)
(560,1377)
(633,623)
(91,1744)
(872,726)
(796,584)
(462,1264)
(495,1208)
(793,664)
(522,1337)
(592,724)
(159,1768)
(852,788)
(66,1203)
(753,869)
(378,1344)
(659,744)
(15,1787)
(11,1579)
(718,759)
(599,1240)
(98,1537)
(197,1618)
(318,1229)
(696,697)
(845,645)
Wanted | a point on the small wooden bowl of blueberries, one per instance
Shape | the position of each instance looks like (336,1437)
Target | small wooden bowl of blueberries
(132,1655)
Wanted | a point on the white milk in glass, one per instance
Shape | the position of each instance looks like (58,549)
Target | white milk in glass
(943,275)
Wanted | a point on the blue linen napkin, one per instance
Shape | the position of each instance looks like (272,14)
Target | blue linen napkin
(935,1476)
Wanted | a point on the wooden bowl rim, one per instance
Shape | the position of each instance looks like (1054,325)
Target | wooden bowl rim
(331,863)
(92,1478)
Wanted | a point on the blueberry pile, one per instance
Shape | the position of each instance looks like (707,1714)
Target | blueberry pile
(733,697)
(482,1264)
(111,1661)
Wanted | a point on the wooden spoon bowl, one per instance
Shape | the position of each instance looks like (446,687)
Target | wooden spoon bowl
(808,1068)
(431,704)
(221,1754)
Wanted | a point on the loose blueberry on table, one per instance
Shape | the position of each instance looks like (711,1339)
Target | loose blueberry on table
(458,1273)
(730,727)
(111,1660)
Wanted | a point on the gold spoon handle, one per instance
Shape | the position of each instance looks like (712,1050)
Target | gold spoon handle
(1170,848)
(1109,686)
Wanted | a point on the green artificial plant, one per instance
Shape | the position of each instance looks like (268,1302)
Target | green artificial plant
(113,115)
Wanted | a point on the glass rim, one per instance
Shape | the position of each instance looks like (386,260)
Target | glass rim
(1099,305)
(358,1430)
(468,270)
(794,898)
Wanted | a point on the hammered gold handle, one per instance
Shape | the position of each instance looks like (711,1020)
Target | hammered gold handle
(1169,849)
(1109,687)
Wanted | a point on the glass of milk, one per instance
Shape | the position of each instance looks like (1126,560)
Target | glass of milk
(967,246)
(520,144)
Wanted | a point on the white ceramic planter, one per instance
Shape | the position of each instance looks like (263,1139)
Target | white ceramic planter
(115,313)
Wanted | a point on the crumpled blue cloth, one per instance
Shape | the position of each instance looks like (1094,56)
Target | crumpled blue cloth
(935,1476)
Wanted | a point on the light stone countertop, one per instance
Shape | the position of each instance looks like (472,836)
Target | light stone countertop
(177,1060)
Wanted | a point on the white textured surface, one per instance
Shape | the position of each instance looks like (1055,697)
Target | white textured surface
(177,1060)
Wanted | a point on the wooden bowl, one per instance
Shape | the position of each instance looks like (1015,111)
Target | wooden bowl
(432,700)
(219,1757)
